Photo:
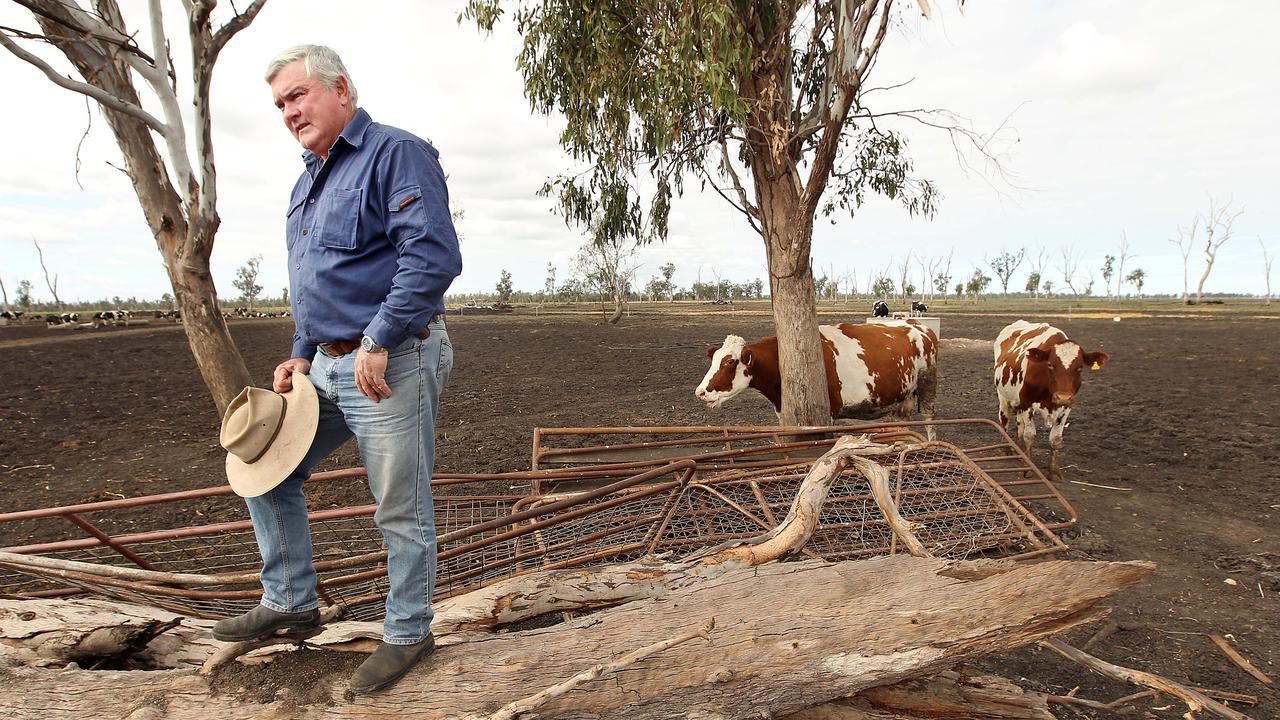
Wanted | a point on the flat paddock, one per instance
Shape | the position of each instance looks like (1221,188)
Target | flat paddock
(1184,419)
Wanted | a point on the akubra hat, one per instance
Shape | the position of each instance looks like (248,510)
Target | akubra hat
(266,435)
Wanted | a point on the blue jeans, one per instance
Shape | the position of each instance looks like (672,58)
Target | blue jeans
(397,443)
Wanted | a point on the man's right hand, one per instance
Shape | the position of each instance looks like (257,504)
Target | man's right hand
(282,380)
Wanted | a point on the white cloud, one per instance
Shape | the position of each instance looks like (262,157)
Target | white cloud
(1120,118)
(1089,60)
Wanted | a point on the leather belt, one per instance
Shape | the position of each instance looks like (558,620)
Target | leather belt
(338,348)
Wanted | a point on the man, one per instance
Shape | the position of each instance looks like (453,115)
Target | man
(372,250)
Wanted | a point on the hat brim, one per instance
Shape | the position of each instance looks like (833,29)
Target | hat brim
(301,417)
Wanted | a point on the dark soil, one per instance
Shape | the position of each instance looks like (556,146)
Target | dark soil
(1183,419)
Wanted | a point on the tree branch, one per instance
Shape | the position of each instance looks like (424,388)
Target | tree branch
(94,26)
(233,26)
(1196,701)
(158,76)
(849,70)
(101,96)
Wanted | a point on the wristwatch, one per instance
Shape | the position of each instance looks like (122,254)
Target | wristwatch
(369,345)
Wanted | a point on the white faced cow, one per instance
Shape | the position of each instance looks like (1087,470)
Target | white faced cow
(1038,369)
(870,369)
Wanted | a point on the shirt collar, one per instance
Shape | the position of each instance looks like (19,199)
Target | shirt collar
(353,134)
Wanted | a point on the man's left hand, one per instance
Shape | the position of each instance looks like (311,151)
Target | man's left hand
(371,371)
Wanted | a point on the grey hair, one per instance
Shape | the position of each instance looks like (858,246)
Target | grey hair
(321,63)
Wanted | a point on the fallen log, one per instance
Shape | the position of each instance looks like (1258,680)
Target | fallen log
(788,636)
(949,694)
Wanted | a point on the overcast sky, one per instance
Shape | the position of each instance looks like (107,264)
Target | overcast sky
(1114,117)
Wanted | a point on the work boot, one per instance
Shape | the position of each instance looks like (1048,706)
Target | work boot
(388,664)
(262,622)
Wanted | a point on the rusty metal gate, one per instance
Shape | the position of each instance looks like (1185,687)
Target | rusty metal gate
(591,503)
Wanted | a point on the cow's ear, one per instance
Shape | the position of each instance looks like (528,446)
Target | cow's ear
(748,357)
(1038,355)
(1095,360)
(711,351)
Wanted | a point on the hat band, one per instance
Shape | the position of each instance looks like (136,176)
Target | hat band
(284,408)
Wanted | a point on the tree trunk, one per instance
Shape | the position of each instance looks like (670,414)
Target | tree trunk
(219,361)
(788,237)
(804,385)
(617,302)
(1208,266)
(786,637)
(1186,283)
(215,353)
(949,694)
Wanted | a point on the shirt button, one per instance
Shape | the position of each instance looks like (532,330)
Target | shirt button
(312,200)
(298,266)
(304,232)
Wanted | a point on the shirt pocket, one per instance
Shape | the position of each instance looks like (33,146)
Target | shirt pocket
(292,220)
(402,201)
(339,218)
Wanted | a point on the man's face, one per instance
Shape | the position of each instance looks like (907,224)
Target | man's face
(315,114)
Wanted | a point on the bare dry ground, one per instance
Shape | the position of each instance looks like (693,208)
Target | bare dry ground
(1181,426)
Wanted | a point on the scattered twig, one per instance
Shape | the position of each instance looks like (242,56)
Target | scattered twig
(1113,706)
(1195,701)
(1104,487)
(29,467)
(1224,695)
(527,706)
(1107,630)
(1239,659)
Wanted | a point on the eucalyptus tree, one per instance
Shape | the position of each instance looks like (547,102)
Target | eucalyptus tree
(1266,268)
(247,280)
(1004,265)
(1218,229)
(170,164)
(762,102)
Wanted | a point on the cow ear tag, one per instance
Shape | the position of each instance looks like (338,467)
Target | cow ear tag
(1096,366)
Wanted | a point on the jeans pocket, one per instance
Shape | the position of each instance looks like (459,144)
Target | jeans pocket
(445,366)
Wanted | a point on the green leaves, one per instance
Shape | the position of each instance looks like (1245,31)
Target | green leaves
(649,90)
(878,161)
(639,85)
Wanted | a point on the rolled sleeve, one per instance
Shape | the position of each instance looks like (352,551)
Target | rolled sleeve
(415,204)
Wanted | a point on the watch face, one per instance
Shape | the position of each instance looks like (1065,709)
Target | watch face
(368,344)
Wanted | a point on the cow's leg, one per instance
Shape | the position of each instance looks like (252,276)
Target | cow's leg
(1006,414)
(927,395)
(1026,430)
(1057,425)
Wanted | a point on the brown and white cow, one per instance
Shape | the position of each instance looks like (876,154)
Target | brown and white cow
(870,369)
(1038,369)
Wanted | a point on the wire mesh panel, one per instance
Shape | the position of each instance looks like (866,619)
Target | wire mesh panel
(956,509)
(713,447)
(733,483)
(481,539)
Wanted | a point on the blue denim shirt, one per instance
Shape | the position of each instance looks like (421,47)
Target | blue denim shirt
(372,248)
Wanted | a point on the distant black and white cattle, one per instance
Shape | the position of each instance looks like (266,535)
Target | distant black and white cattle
(880,309)
(61,318)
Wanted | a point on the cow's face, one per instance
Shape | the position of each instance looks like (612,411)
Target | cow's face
(1060,369)
(729,374)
